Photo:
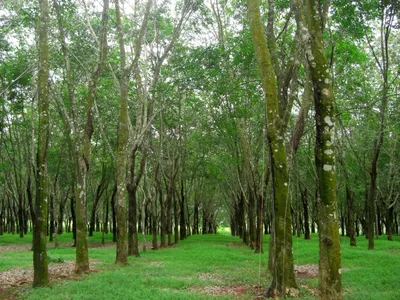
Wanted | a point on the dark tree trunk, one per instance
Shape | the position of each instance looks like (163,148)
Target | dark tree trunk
(73,221)
(342,220)
(52,221)
(176,219)
(182,220)
(114,214)
(133,243)
(21,217)
(154,220)
(196,219)
(105,224)
(378,221)
(251,220)
(304,199)
(61,217)
(204,226)
(371,206)
(163,219)
(389,227)
(242,220)
(259,232)
(168,213)
(350,216)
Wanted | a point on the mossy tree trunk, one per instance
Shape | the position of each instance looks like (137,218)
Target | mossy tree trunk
(123,135)
(40,267)
(283,283)
(330,284)
(83,157)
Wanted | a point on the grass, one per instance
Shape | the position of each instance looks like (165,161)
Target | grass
(185,270)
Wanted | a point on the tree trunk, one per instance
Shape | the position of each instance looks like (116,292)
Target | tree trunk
(330,284)
(83,156)
(52,221)
(350,217)
(389,227)
(163,221)
(196,218)
(182,218)
(123,135)
(114,214)
(73,217)
(133,243)
(40,267)
(176,218)
(283,282)
(170,191)
(305,210)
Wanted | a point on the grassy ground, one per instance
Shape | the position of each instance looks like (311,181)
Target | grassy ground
(206,267)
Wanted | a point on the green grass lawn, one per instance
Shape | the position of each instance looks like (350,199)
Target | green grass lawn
(207,267)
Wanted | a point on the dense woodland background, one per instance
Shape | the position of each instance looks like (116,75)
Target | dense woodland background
(164,99)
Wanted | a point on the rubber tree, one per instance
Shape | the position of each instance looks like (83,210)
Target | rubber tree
(123,134)
(311,22)
(283,283)
(84,147)
(40,266)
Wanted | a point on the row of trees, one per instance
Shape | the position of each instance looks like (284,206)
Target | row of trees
(149,118)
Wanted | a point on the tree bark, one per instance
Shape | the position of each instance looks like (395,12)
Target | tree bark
(304,199)
(40,266)
(330,285)
(283,283)
(123,135)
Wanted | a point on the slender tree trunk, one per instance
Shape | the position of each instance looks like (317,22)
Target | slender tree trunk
(163,220)
(389,226)
(123,135)
(283,282)
(21,216)
(154,219)
(176,219)
(40,267)
(52,221)
(305,210)
(114,214)
(182,217)
(350,216)
(133,243)
(83,159)
(196,218)
(169,214)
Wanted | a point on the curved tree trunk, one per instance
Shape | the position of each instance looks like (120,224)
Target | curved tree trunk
(283,283)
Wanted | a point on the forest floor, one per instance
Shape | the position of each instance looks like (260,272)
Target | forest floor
(201,267)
